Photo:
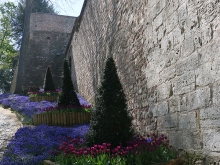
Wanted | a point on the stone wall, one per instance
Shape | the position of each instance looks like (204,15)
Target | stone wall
(167,55)
(46,44)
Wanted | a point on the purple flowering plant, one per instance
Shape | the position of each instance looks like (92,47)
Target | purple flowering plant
(23,106)
(32,145)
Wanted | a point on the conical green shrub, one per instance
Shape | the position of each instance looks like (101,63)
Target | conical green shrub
(68,95)
(48,81)
(110,121)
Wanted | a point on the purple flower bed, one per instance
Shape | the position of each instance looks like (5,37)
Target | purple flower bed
(33,145)
(3,96)
(23,106)
(7,99)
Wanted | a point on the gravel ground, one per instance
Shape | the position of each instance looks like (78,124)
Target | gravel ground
(9,124)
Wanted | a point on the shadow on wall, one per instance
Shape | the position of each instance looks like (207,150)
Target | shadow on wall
(94,39)
(73,71)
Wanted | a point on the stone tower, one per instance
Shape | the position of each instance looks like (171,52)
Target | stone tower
(46,40)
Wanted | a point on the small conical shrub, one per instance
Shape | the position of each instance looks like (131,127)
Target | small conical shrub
(68,95)
(110,121)
(48,81)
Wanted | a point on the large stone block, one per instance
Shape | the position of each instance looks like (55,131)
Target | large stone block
(173,104)
(199,98)
(192,21)
(187,64)
(159,6)
(176,139)
(182,12)
(163,91)
(205,74)
(211,140)
(171,6)
(216,94)
(207,34)
(210,123)
(161,32)
(168,121)
(188,47)
(167,74)
(155,7)
(192,140)
(160,109)
(188,120)
(186,139)
(208,52)
(178,35)
(215,68)
(157,21)
(171,22)
(184,83)
(182,103)
(164,44)
(210,113)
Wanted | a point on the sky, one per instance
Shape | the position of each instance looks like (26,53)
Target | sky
(64,7)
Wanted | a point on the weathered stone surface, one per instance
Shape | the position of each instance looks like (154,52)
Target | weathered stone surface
(199,98)
(178,36)
(182,103)
(210,113)
(188,47)
(182,12)
(216,94)
(208,52)
(205,74)
(163,91)
(210,123)
(168,121)
(160,109)
(211,140)
(191,139)
(167,74)
(184,83)
(157,21)
(173,104)
(187,64)
(188,120)
(186,139)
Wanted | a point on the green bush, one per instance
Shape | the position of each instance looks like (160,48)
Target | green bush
(68,95)
(48,81)
(110,121)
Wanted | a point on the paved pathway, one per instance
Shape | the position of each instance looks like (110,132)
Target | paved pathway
(8,126)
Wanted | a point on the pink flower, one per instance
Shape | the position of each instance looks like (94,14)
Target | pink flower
(108,145)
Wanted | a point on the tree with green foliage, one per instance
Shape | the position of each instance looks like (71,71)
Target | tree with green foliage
(68,95)
(48,81)
(43,6)
(110,121)
(8,55)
